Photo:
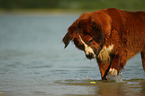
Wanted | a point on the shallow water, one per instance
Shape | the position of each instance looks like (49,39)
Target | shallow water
(33,61)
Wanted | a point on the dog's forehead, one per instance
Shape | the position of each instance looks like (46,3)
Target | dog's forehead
(85,36)
(78,39)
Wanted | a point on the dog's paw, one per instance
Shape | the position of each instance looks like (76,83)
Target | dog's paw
(113,72)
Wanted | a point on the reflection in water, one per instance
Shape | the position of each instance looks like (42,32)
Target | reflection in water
(105,88)
(142,90)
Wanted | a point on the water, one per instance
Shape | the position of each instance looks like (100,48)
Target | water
(33,61)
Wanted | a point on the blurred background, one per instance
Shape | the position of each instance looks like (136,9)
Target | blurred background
(33,61)
(72,4)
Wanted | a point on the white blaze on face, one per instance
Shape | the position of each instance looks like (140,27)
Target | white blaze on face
(88,49)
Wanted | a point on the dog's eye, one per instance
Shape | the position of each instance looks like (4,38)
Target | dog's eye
(90,41)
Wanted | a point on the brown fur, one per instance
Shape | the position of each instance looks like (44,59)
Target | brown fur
(125,30)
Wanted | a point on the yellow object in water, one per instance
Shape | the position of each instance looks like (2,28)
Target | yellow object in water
(92,82)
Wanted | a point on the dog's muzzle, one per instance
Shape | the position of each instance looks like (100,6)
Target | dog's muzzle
(90,56)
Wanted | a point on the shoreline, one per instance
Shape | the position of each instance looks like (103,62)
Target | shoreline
(53,12)
(49,12)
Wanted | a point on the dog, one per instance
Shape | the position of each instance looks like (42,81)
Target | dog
(112,36)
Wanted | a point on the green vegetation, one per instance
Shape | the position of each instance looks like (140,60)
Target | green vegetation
(73,4)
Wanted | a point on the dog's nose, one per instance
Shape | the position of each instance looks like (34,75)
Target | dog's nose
(90,55)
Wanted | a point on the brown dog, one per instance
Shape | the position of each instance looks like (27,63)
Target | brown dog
(111,36)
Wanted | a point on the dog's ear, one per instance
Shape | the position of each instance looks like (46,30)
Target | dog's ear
(67,38)
(101,25)
(70,35)
(96,32)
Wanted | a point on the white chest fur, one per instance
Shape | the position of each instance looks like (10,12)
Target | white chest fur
(104,54)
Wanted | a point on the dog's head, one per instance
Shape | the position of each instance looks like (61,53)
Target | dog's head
(88,33)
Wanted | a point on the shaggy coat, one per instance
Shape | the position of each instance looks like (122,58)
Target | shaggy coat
(114,36)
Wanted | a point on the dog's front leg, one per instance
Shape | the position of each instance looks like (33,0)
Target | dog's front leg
(115,65)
